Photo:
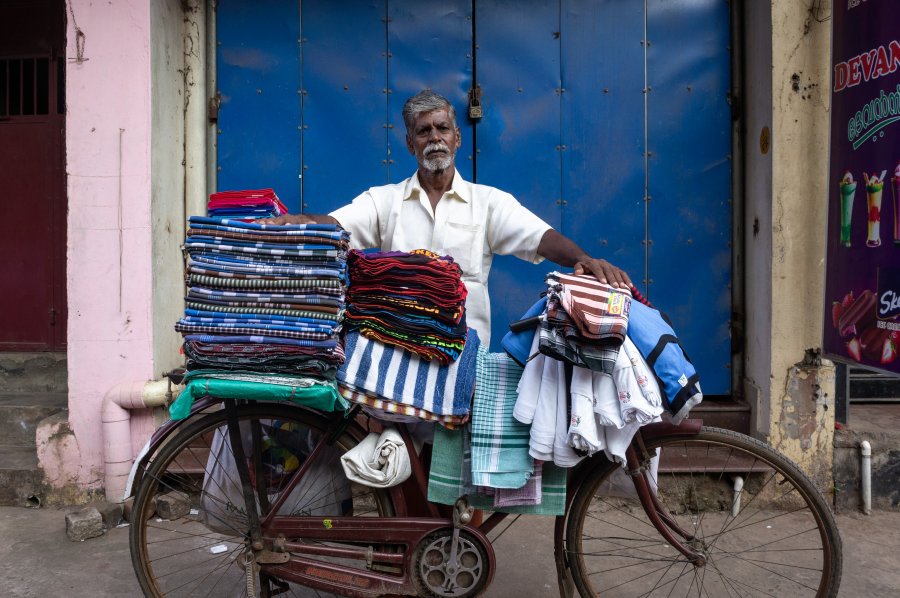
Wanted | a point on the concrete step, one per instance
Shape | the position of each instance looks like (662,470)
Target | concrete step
(20,414)
(33,372)
(724,413)
(20,478)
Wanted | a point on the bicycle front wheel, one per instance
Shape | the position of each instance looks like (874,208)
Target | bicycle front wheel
(190,532)
(762,525)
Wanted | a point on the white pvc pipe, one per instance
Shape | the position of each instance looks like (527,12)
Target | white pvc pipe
(736,501)
(866,476)
(117,451)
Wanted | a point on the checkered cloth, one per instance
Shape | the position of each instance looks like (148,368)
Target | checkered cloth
(451,477)
(297,313)
(271,249)
(185,327)
(560,340)
(500,456)
(246,296)
(319,286)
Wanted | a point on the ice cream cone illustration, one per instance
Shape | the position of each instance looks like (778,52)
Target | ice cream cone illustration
(874,188)
(895,188)
(848,191)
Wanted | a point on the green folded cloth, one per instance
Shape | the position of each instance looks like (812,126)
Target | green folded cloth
(310,392)
(451,477)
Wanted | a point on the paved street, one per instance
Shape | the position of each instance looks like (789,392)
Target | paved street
(38,560)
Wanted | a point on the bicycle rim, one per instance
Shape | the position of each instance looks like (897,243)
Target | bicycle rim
(190,530)
(776,536)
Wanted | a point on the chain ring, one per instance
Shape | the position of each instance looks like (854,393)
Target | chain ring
(430,566)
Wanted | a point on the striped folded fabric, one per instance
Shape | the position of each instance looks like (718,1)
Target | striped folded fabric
(384,406)
(264,298)
(598,310)
(403,377)
(414,300)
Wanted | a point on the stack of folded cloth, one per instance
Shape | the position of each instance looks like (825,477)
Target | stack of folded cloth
(264,301)
(585,321)
(411,300)
(245,205)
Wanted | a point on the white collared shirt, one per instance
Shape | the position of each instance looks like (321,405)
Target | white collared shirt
(470,223)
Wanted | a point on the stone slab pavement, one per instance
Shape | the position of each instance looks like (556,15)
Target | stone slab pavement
(38,560)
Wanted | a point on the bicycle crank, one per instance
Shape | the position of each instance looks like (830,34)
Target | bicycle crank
(438,573)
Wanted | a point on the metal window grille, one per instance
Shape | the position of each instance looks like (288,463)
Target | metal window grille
(24,86)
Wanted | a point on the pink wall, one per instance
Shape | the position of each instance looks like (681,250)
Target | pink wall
(108,137)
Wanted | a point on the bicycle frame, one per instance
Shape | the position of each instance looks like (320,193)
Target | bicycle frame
(391,542)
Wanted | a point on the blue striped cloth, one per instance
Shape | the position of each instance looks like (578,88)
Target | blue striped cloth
(397,375)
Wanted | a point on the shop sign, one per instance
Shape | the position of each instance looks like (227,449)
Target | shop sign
(862,281)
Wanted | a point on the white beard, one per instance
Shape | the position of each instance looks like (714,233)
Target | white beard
(437,164)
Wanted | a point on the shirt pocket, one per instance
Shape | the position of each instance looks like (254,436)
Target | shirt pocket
(465,242)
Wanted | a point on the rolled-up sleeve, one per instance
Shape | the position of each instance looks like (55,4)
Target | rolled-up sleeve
(360,217)
(513,229)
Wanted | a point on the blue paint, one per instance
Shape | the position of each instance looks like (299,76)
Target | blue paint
(258,78)
(688,70)
(563,128)
(517,66)
(345,104)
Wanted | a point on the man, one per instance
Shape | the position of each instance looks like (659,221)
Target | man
(436,209)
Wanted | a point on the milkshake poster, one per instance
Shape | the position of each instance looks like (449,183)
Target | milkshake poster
(862,280)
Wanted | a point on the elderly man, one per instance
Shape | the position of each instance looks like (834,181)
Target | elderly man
(436,209)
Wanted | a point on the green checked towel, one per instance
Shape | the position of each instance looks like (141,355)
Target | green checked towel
(500,456)
(450,477)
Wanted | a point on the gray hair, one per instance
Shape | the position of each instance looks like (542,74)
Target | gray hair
(423,102)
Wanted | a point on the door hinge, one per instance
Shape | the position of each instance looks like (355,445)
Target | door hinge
(212,107)
(53,316)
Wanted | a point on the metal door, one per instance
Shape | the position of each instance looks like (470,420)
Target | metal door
(32,227)
(608,118)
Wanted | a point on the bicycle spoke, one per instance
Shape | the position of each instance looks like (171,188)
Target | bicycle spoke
(176,557)
(777,538)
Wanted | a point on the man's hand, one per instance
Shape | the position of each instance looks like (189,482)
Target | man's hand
(299,219)
(603,271)
(562,250)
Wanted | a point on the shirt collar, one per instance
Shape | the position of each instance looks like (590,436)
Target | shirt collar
(458,187)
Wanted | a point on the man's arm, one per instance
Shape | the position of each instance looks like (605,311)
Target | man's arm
(300,219)
(563,251)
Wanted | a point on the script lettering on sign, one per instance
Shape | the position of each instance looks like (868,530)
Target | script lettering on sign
(888,293)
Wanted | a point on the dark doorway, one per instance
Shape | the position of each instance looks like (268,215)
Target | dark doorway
(32,176)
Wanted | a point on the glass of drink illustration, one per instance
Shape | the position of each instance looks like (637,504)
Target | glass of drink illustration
(848,191)
(874,188)
(895,188)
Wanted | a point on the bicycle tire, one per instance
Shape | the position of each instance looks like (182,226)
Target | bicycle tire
(187,528)
(782,541)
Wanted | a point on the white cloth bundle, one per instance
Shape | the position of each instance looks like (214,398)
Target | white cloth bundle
(379,461)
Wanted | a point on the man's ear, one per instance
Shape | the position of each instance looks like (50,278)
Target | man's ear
(409,146)
(458,138)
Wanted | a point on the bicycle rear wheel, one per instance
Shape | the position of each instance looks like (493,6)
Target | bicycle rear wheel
(190,529)
(775,536)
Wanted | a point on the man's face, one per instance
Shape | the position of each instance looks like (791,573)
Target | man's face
(433,140)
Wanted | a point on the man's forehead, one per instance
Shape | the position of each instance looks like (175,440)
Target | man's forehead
(441,115)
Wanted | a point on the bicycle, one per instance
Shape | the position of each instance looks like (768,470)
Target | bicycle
(297,527)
